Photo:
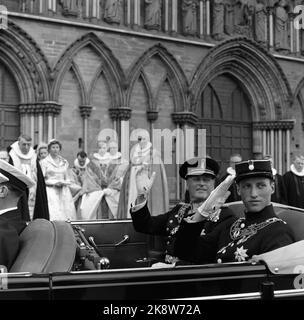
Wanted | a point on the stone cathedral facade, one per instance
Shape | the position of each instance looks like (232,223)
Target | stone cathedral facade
(69,69)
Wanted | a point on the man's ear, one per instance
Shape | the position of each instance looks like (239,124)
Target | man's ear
(272,187)
(238,189)
(3,191)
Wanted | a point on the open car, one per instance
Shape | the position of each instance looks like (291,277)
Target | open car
(110,260)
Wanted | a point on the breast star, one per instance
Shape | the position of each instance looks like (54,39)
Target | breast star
(241,254)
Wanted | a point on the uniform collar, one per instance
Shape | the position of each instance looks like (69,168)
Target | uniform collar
(264,214)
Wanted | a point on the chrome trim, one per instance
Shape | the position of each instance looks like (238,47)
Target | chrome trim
(289,293)
(83,222)
(252,295)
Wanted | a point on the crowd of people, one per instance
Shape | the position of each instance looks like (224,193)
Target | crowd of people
(95,186)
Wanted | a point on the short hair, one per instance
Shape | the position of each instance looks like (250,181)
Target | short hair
(82,154)
(25,137)
(53,142)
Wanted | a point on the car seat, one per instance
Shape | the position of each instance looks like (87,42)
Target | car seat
(45,247)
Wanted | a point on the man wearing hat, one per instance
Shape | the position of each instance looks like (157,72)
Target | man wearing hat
(12,185)
(238,240)
(199,174)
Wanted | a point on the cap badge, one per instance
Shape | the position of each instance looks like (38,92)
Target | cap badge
(250,165)
(203,164)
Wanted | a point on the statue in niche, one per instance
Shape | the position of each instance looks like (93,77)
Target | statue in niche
(27,6)
(228,17)
(112,12)
(189,17)
(281,26)
(260,21)
(153,14)
(243,17)
(218,20)
(70,7)
(239,13)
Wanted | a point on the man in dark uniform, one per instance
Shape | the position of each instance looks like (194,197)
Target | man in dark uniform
(236,239)
(12,185)
(199,174)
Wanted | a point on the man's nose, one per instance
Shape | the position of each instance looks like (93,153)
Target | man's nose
(253,192)
(201,181)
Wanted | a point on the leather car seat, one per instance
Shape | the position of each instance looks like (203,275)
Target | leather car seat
(45,247)
(295,219)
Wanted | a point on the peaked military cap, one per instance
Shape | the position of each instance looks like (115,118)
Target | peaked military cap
(253,168)
(15,176)
(199,166)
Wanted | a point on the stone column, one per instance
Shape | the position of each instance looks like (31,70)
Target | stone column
(27,117)
(121,119)
(87,9)
(85,112)
(186,121)
(166,15)
(152,116)
(201,18)
(136,13)
(287,150)
(292,31)
(128,12)
(208,14)
(270,11)
(174,17)
(51,110)
(258,143)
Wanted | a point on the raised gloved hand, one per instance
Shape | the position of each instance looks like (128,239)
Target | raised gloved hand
(210,209)
(107,191)
(143,182)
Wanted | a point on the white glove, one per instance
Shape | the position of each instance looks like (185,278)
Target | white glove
(211,208)
(143,182)
(107,191)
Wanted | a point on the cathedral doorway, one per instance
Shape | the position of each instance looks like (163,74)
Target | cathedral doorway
(224,111)
(9,113)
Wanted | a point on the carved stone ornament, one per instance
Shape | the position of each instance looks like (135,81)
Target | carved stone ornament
(122,113)
(85,111)
(184,117)
(152,115)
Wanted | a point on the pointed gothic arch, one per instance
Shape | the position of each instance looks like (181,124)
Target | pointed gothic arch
(298,95)
(175,75)
(24,58)
(260,74)
(112,68)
